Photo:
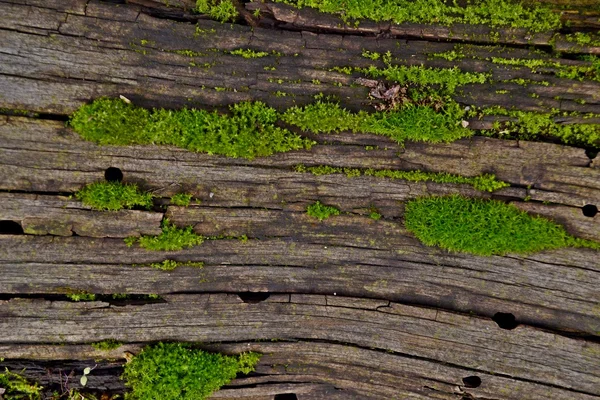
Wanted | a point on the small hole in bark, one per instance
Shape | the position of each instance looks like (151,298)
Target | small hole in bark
(113,174)
(286,396)
(589,210)
(505,320)
(472,381)
(10,228)
(253,297)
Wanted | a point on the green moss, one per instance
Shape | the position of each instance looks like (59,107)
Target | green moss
(375,215)
(170,265)
(320,211)
(248,132)
(450,55)
(248,53)
(220,10)
(18,388)
(483,227)
(579,72)
(181,199)
(486,182)
(584,39)
(529,125)
(108,344)
(113,196)
(177,371)
(495,13)
(81,296)
(172,238)
(413,122)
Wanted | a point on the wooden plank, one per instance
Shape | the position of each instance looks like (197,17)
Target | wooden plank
(411,332)
(555,289)
(59,215)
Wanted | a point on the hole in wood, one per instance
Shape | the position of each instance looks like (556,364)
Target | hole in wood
(505,320)
(113,174)
(591,153)
(286,396)
(589,210)
(253,297)
(10,228)
(472,381)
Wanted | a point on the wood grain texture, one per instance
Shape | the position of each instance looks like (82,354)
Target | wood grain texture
(408,332)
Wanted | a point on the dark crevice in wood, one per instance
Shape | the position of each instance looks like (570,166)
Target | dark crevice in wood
(130,300)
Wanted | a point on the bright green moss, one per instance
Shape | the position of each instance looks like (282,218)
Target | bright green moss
(220,10)
(529,125)
(248,53)
(414,123)
(320,211)
(107,344)
(172,238)
(18,388)
(81,296)
(248,132)
(177,371)
(578,72)
(483,227)
(485,182)
(375,215)
(495,13)
(181,199)
(584,39)
(113,196)
(450,55)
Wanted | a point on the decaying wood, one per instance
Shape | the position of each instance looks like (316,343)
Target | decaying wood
(406,331)
(346,308)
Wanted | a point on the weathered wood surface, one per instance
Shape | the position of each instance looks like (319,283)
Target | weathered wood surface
(65,57)
(358,308)
(406,331)
(555,289)
(61,216)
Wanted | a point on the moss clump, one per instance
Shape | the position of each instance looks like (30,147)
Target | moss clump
(584,39)
(248,132)
(220,10)
(412,122)
(81,296)
(181,199)
(495,13)
(484,227)
(485,182)
(170,265)
(18,388)
(590,71)
(527,125)
(177,371)
(172,238)
(249,53)
(113,196)
(108,344)
(320,211)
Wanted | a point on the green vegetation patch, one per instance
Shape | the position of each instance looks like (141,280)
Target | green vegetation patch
(17,387)
(181,199)
(81,296)
(590,71)
(170,265)
(113,196)
(107,344)
(584,39)
(172,238)
(485,182)
(527,125)
(484,227)
(320,211)
(495,13)
(249,53)
(220,10)
(177,371)
(248,132)
(412,122)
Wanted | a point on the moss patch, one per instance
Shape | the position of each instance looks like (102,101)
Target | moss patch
(221,10)
(485,182)
(172,238)
(181,199)
(108,344)
(170,265)
(113,196)
(495,13)
(484,227)
(320,211)
(17,387)
(177,371)
(248,132)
